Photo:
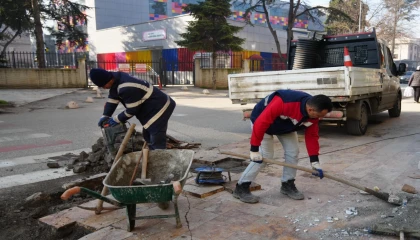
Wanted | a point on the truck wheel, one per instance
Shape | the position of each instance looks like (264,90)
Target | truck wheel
(359,127)
(396,110)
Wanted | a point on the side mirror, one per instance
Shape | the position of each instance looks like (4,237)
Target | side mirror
(402,68)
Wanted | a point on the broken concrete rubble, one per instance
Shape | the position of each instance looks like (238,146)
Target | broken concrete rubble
(79,169)
(36,198)
(53,164)
(403,218)
(99,160)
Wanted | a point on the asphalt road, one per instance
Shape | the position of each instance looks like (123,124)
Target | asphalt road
(33,132)
(46,126)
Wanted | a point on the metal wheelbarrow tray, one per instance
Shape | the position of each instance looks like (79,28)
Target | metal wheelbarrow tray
(161,164)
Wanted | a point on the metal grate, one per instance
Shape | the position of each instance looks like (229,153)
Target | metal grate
(333,57)
(360,54)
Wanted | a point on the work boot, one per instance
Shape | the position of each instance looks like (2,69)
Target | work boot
(289,188)
(243,193)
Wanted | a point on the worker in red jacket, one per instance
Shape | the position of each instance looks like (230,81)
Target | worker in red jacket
(281,114)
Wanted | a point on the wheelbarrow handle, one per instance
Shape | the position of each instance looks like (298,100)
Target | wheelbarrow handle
(70,192)
(177,187)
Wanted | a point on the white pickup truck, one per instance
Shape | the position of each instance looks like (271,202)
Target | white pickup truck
(368,87)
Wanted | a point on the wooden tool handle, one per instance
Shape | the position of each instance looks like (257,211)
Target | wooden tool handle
(137,165)
(145,153)
(99,205)
(124,143)
(383,196)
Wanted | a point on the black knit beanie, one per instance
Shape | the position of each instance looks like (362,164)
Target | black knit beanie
(100,77)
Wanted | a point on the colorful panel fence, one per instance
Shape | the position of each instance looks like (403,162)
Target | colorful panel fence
(170,57)
(185,59)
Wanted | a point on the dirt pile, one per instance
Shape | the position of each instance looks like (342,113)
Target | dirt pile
(100,160)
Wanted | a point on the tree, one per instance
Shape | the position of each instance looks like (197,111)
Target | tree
(296,9)
(210,32)
(14,20)
(337,24)
(402,10)
(393,18)
(32,14)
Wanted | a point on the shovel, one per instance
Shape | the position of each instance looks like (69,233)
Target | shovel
(381,195)
(99,206)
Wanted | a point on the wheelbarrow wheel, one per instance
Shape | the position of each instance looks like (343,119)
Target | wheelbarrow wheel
(163,205)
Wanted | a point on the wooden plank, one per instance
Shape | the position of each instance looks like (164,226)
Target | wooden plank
(108,233)
(202,191)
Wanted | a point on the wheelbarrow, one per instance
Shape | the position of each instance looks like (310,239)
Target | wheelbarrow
(161,164)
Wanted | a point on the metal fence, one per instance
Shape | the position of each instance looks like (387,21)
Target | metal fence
(52,60)
(274,64)
(223,60)
(155,72)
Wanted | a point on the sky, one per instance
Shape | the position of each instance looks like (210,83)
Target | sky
(416,30)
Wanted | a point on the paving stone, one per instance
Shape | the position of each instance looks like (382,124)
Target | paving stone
(108,233)
(259,209)
(196,217)
(240,235)
(66,217)
(214,230)
(106,218)
(202,191)
(220,205)
(186,201)
(187,236)
(165,231)
(237,218)
(153,229)
(271,228)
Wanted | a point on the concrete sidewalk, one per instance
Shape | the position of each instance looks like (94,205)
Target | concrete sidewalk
(369,160)
(19,97)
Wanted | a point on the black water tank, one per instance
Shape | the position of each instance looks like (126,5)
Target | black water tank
(306,54)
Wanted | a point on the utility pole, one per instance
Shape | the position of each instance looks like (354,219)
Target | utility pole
(360,15)
(396,10)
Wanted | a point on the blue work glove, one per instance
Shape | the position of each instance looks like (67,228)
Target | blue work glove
(102,120)
(112,122)
(317,166)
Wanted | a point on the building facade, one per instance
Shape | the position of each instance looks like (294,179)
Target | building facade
(21,43)
(146,29)
(407,50)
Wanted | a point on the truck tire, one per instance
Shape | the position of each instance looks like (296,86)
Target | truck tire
(396,110)
(359,127)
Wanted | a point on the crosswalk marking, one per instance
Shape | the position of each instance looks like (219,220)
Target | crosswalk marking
(29,136)
(33,177)
(30,146)
(38,158)
(16,130)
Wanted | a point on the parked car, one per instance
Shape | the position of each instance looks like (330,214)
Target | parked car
(404,78)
